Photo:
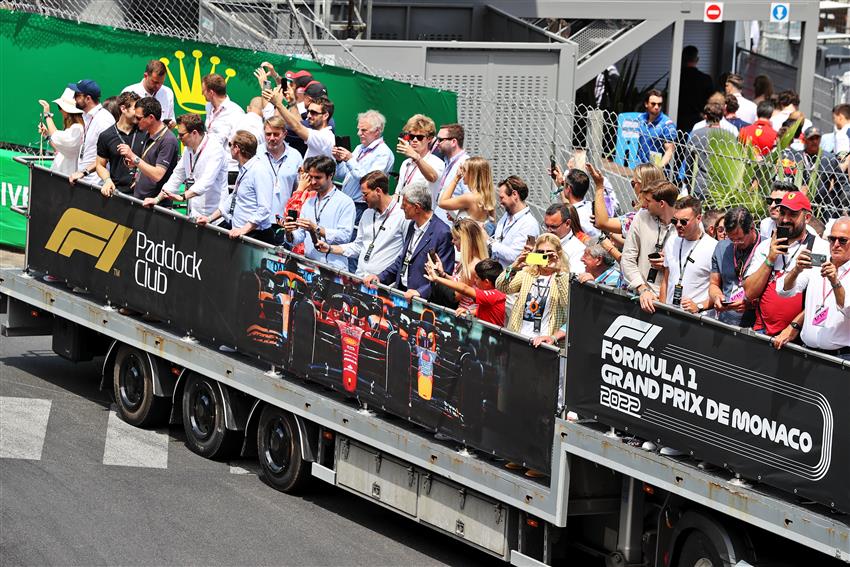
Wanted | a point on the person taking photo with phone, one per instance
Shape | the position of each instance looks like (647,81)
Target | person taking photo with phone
(777,316)
(826,310)
(541,280)
(420,165)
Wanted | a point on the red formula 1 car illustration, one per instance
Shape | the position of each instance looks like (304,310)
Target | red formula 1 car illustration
(346,341)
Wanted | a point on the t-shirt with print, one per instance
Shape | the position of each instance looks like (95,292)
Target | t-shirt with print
(162,152)
(107,148)
(537,309)
(491,306)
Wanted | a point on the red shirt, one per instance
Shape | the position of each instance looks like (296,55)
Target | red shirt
(761,134)
(775,312)
(491,306)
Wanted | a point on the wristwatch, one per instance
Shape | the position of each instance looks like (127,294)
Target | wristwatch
(837,285)
(47,115)
(137,160)
(700,307)
(795,325)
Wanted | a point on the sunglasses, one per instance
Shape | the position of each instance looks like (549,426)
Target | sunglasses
(681,222)
(408,136)
(314,112)
(445,139)
(773,201)
(842,240)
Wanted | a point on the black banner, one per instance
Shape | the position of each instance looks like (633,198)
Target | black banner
(729,398)
(475,383)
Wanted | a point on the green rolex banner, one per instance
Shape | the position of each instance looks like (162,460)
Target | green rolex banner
(39,56)
(14,184)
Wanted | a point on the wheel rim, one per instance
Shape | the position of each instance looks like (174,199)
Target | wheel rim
(703,562)
(131,383)
(278,444)
(203,411)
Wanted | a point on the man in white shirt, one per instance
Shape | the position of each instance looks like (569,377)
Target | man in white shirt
(152,85)
(420,164)
(371,154)
(380,234)
(558,221)
(687,259)
(96,119)
(826,320)
(576,185)
(841,120)
(746,107)
(516,225)
(450,140)
(202,168)
(319,136)
(252,121)
(222,116)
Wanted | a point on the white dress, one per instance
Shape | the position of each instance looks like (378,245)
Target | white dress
(67,145)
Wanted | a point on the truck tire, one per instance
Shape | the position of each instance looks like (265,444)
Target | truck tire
(132,385)
(282,466)
(699,551)
(203,419)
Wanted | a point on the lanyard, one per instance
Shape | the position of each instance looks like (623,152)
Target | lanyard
(369,149)
(740,271)
(536,305)
(826,293)
(659,244)
(375,233)
(123,141)
(411,246)
(683,267)
(158,137)
(412,167)
(213,115)
(277,171)
(317,212)
(197,154)
(604,275)
(235,190)
(86,131)
(506,228)
(449,169)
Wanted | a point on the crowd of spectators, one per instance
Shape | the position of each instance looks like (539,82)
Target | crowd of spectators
(277,172)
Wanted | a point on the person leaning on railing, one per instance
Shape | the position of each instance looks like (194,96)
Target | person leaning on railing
(66,143)
(542,289)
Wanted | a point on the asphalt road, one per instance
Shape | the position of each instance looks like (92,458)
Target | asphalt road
(79,487)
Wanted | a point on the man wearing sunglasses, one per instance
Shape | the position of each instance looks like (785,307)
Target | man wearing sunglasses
(319,136)
(687,259)
(420,164)
(768,224)
(780,316)
(826,319)
(657,132)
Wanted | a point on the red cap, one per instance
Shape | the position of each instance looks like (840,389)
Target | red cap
(796,200)
(300,78)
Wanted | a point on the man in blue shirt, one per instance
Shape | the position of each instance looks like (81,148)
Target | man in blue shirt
(327,216)
(371,154)
(732,258)
(246,210)
(283,160)
(657,132)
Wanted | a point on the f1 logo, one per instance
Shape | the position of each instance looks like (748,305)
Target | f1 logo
(625,327)
(90,234)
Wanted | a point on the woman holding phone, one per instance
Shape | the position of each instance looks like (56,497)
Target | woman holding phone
(541,280)
(65,143)
(480,203)
(642,176)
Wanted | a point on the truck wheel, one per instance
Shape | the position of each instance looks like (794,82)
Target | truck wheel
(699,551)
(203,418)
(132,384)
(282,465)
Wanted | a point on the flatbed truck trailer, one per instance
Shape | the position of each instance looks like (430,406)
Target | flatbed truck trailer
(602,495)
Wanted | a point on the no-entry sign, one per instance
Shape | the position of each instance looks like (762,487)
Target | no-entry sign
(713,12)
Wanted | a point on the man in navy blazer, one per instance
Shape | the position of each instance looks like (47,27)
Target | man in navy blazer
(426,232)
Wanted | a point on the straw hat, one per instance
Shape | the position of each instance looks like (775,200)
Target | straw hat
(66,102)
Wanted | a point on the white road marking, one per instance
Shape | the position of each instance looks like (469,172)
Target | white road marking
(23,426)
(130,446)
(249,468)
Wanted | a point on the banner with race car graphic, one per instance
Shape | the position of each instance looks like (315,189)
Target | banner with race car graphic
(477,384)
(727,398)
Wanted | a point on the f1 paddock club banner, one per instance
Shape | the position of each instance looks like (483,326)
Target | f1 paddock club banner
(488,389)
(777,416)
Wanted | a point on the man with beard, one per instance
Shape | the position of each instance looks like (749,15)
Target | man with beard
(826,320)
(775,315)
(152,85)
(111,167)
(319,137)
(96,119)
(159,155)
(730,262)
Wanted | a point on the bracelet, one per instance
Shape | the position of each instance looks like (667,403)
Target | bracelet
(768,262)
(646,289)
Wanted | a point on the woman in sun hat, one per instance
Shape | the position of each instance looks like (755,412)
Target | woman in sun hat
(65,143)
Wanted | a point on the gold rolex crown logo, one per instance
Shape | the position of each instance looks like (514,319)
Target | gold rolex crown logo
(189,95)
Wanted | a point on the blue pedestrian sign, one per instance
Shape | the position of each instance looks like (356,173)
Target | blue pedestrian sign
(779,12)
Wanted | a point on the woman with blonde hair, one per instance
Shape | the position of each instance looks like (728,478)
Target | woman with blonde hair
(480,203)
(470,242)
(65,143)
(542,285)
(642,176)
